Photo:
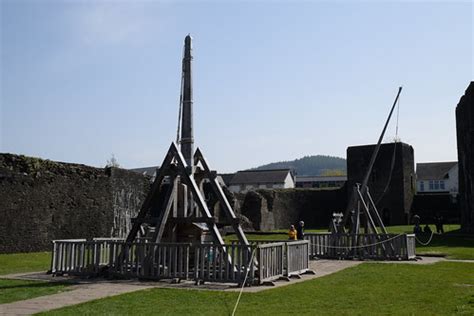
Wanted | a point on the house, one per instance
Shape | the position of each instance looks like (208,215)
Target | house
(437,177)
(320,181)
(225,178)
(147,171)
(248,180)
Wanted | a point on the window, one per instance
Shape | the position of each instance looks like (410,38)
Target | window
(436,185)
(422,186)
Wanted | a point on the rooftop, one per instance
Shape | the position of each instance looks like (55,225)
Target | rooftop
(260,176)
(434,170)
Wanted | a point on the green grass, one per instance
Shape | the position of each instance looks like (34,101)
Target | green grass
(450,245)
(368,289)
(17,290)
(409,228)
(24,262)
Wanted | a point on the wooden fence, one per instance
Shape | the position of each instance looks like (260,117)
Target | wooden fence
(77,256)
(271,259)
(362,246)
(297,257)
(233,263)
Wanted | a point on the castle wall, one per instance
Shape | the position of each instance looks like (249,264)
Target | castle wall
(270,209)
(465,140)
(41,200)
(392,190)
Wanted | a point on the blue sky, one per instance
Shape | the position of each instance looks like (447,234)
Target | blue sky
(273,80)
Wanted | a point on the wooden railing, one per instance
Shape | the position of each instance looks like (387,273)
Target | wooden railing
(227,263)
(235,263)
(271,259)
(76,256)
(361,246)
(411,254)
(149,260)
(297,257)
(282,258)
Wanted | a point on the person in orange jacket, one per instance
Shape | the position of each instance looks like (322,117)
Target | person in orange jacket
(292,233)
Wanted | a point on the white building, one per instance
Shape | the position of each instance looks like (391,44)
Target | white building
(244,181)
(320,181)
(437,177)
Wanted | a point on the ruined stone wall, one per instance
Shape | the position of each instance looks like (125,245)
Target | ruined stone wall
(41,200)
(465,139)
(393,201)
(270,209)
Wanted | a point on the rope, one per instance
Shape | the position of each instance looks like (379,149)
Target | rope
(392,166)
(243,283)
(180,111)
(428,242)
(398,114)
(362,246)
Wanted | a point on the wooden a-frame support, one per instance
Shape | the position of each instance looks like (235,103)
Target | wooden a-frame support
(175,168)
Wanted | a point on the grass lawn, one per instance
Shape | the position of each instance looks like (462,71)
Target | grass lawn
(451,244)
(17,290)
(24,262)
(370,288)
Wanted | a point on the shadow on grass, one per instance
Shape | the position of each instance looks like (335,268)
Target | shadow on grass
(34,285)
(451,239)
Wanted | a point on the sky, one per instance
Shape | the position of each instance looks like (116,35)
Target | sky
(273,80)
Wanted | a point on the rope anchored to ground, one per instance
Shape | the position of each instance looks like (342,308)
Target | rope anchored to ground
(425,243)
(243,283)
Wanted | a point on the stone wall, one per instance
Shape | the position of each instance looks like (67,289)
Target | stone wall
(427,206)
(465,138)
(270,209)
(41,200)
(392,190)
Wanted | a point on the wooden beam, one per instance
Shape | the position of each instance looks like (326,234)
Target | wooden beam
(367,212)
(145,220)
(376,213)
(190,220)
(195,191)
(165,211)
(212,176)
(154,191)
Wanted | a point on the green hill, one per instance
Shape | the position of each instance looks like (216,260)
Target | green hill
(311,165)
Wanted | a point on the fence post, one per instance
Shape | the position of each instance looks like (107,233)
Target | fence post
(53,258)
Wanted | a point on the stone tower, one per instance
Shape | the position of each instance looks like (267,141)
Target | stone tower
(465,137)
(392,189)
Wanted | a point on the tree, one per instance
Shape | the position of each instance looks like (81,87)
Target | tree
(333,172)
(112,162)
